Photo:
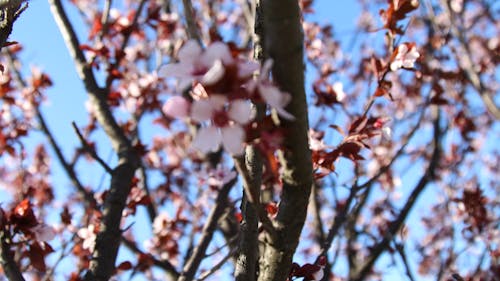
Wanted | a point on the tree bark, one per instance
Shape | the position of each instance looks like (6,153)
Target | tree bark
(283,43)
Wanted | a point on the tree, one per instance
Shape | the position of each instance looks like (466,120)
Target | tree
(227,160)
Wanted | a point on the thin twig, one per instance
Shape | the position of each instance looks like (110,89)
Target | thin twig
(428,176)
(402,254)
(163,264)
(217,266)
(209,228)
(91,150)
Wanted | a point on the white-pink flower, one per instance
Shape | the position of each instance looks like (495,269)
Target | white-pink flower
(406,55)
(195,64)
(88,235)
(218,176)
(176,107)
(269,92)
(225,126)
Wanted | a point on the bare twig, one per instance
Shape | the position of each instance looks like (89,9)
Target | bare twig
(163,264)
(217,266)
(192,28)
(90,150)
(393,228)
(209,228)
(108,239)
(467,65)
(402,254)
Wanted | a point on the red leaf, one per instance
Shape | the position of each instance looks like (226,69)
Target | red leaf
(23,216)
(37,254)
(126,265)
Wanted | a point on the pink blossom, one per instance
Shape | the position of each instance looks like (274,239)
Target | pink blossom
(198,65)
(406,55)
(217,177)
(269,92)
(88,235)
(338,87)
(226,120)
(176,107)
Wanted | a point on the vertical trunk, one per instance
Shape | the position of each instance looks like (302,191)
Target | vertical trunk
(283,42)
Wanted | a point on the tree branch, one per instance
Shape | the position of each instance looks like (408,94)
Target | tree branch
(429,175)
(192,28)
(245,269)
(90,150)
(10,267)
(209,228)
(10,11)
(467,65)
(108,239)
(283,42)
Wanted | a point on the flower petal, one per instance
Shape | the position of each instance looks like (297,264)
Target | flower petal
(202,110)
(176,107)
(207,139)
(217,51)
(232,139)
(214,74)
(240,111)
(247,69)
(276,99)
(218,101)
(190,52)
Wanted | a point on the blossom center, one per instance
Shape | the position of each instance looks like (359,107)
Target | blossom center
(220,118)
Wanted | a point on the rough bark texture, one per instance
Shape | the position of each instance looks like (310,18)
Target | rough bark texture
(248,244)
(9,265)
(9,12)
(283,43)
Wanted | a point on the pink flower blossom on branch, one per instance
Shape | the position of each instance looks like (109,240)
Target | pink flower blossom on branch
(405,56)
(226,120)
(198,65)
(88,235)
(269,92)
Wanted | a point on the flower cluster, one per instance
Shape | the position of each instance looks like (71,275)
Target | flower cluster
(222,89)
(404,56)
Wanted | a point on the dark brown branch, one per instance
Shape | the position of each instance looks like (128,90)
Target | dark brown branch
(108,239)
(192,28)
(251,210)
(10,267)
(10,11)
(209,228)
(404,258)
(318,222)
(283,43)
(252,193)
(394,227)
(340,218)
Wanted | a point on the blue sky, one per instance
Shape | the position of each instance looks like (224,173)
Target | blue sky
(44,48)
